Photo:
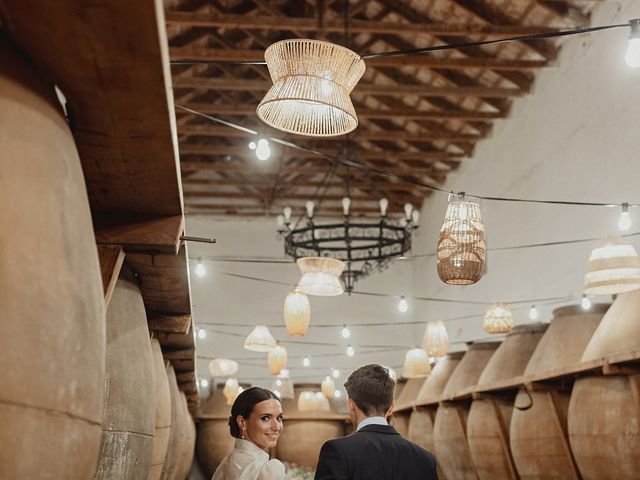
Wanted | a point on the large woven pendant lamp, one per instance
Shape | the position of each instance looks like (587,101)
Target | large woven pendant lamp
(307,401)
(320,276)
(461,246)
(277,359)
(223,367)
(416,364)
(322,402)
(283,384)
(297,314)
(230,390)
(613,268)
(436,340)
(312,81)
(498,319)
(260,340)
(328,387)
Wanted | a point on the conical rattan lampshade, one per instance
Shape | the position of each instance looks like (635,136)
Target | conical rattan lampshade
(312,81)
(297,314)
(320,276)
(307,401)
(230,389)
(436,340)
(461,246)
(260,340)
(322,402)
(614,267)
(223,367)
(328,387)
(416,364)
(498,319)
(277,359)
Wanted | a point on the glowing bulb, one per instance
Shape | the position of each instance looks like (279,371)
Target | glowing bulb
(279,382)
(337,394)
(586,303)
(533,313)
(350,351)
(632,56)
(309,206)
(252,145)
(335,373)
(204,383)
(346,203)
(384,204)
(408,210)
(624,222)
(346,333)
(280,220)
(306,362)
(403,306)
(202,333)
(200,270)
(287,214)
(415,217)
(263,151)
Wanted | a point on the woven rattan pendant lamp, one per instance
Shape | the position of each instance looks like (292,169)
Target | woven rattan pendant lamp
(223,367)
(614,267)
(320,276)
(416,364)
(297,314)
(312,81)
(498,319)
(277,359)
(260,340)
(436,340)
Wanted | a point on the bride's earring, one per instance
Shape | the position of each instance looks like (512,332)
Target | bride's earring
(242,433)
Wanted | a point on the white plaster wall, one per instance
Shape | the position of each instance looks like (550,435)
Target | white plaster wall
(574,138)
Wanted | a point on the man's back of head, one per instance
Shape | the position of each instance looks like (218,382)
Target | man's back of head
(371,389)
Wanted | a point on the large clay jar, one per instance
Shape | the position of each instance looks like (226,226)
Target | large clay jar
(173,448)
(52,347)
(186,443)
(450,426)
(538,435)
(604,411)
(400,420)
(163,412)
(489,418)
(304,433)
(214,440)
(128,425)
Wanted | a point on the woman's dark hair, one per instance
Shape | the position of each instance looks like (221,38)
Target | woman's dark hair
(244,404)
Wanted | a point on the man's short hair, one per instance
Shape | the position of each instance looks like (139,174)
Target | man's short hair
(371,389)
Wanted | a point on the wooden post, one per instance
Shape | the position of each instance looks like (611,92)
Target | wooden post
(561,424)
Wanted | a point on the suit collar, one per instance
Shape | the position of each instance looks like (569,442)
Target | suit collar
(379,429)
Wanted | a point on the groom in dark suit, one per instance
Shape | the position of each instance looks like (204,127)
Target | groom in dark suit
(376,451)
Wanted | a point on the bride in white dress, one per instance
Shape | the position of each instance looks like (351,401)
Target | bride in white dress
(256,424)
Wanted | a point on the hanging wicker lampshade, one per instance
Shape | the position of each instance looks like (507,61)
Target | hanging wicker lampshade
(436,340)
(322,402)
(223,367)
(277,359)
(260,340)
(461,247)
(498,319)
(613,268)
(320,276)
(307,401)
(312,81)
(230,388)
(297,313)
(232,397)
(416,364)
(328,387)
(283,384)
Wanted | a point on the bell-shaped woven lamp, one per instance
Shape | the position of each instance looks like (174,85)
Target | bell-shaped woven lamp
(307,401)
(230,389)
(436,340)
(416,364)
(461,249)
(322,402)
(277,359)
(260,340)
(312,81)
(286,388)
(232,397)
(498,319)
(223,367)
(328,387)
(613,268)
(297,314)
(320,276)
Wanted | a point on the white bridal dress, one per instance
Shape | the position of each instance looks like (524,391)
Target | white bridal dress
(249,462)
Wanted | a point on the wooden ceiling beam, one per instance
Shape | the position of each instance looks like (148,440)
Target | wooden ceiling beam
(240,84)
(281,22)
(334,183)
(407,113)
(256,210)
(283,196)
(198,54)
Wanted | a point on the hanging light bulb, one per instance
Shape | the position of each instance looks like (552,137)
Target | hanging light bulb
(328,386)
(346,333)
(280,221)
(533,313)
(200,270)
(202,333)
(252,145)
(408,210)
(306,361)
(632,55)
(346,203)
(335,373)
(403,306)
(586,303)
(337,394)
(263,150)
(384,204)
(309,206)
(287,215)
(204,383)
(415,217)
(350,351)
(624,221)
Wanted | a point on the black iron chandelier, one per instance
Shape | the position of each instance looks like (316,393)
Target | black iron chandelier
(365,245)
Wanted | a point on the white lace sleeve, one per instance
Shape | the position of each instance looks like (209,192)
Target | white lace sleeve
(272,470)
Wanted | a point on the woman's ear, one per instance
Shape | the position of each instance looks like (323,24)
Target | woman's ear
(242,423)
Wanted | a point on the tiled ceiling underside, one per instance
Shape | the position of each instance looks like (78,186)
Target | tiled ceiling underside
(420,116)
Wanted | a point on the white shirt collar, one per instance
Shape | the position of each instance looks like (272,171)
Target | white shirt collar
(372,421)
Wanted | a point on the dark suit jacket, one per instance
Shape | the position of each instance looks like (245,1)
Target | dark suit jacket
(375,452)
